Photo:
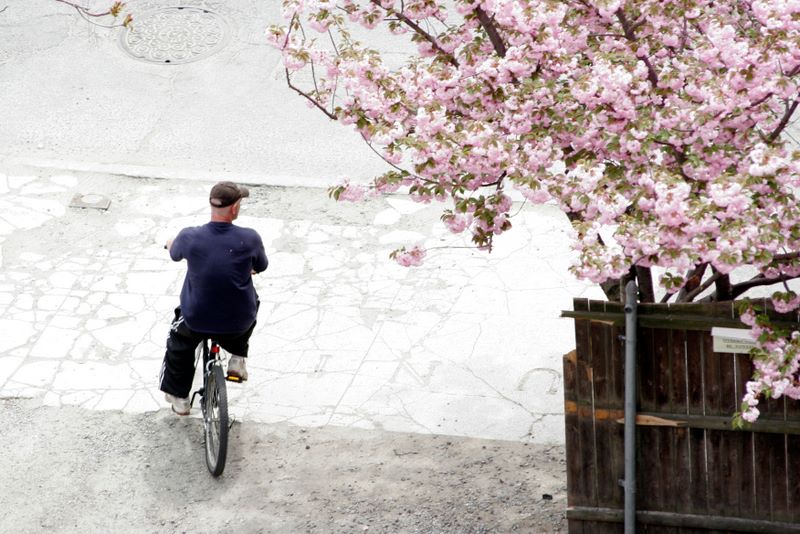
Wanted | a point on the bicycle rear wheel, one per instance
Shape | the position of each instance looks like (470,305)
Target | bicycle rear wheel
(215,420)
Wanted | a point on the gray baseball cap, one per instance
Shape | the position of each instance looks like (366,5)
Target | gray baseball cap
(226,193)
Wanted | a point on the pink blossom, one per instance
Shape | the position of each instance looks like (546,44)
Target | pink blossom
(410,258)
(748,317)
(353,193)
(457,223)
(785,302)
(537,196)
(751,414)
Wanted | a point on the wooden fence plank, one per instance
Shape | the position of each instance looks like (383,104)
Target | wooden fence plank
(576,448)
(772,409)
(579,304)
(668,487)
(730,474)
(609,437)
(664,463)
(698,481)
(588,467)
(793,468)
(679,404)
(645,370)
(607,528)
(678,394)
(712,379)
(716,464)
(763,473)
(648,456)
(744,371)
(728,471)
(572,443)
(717,470)
(698,488)
(615,349)
(662,366)
(576,527)
(747,482)
(599,364)
(781,510)
(682,470)
(648,453)
(694,358)
(729,403)
(793,409)
(617,386)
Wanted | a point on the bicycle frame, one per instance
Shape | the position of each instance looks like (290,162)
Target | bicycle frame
(205,352)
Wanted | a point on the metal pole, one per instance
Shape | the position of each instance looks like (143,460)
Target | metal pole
(630,408)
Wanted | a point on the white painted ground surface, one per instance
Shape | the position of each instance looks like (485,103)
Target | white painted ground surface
(469,344)
(73,99)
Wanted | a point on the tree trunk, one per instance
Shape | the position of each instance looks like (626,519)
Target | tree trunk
(615,289)
(723,288)
(693,279)
(644,278)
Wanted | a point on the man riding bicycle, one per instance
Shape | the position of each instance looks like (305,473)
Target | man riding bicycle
(218,298)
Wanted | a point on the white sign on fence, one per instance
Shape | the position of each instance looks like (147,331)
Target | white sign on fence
(732,340)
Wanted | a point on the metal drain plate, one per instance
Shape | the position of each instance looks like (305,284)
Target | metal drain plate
(175,35)
(90,200)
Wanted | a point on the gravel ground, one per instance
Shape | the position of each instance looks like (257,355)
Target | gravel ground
(73,470)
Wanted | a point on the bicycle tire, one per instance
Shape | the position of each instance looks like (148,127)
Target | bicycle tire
(215,420)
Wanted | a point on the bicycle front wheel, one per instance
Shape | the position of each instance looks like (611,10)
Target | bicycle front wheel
(215,420)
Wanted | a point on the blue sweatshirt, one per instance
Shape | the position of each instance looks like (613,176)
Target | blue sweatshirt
(218,296)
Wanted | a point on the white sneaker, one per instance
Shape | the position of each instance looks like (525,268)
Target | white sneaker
(237,369)
(179,406)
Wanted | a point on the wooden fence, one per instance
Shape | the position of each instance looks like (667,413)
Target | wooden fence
(694,472)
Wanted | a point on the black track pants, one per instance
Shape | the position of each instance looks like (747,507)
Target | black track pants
(177,371)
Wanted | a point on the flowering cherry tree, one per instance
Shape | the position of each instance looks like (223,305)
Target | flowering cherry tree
(658,127)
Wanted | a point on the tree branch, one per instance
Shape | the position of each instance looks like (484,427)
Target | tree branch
(759,280)
(415,176)
(114,10)
(422,33)
(599,35)
(491,31)
(790,109)
(786,257)
(307,96)
(497,183)
(702,287)
(85,13)
(693,279)
(631,36)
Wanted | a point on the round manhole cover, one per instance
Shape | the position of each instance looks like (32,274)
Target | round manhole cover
(174,35)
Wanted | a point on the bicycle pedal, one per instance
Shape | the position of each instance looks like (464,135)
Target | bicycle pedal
(232,378)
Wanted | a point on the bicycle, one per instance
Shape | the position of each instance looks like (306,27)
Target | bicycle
(214,405)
